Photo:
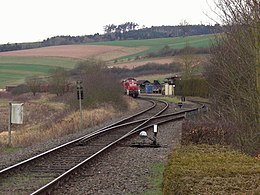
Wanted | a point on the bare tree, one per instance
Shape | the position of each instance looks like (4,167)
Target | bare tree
(34,84)
(233,75)
(58,81)
(100,85)
(189,60)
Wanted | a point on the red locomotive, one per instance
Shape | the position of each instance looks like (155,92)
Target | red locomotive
(130,86)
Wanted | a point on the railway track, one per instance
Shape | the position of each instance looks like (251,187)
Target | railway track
(40,174)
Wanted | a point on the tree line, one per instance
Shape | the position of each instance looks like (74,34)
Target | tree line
(126,31)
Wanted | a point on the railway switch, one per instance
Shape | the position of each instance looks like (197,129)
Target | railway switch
(144,137)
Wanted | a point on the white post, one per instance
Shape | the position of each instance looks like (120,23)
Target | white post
(155,131)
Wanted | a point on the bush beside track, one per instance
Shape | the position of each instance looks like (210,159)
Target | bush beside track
(208,162)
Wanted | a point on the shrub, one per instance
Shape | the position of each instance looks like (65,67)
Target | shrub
(147,69)
(205,131)
(213,130)
(167,51)
(192,87)
(100,85)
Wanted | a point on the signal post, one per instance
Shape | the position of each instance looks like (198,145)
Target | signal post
(80,97)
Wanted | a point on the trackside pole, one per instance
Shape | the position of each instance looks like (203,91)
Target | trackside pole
(80,97)
(80,110)
(155,131)
(9,125)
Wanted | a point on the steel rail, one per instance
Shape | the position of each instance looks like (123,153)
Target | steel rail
(109,127)
(62,176)
(89,136)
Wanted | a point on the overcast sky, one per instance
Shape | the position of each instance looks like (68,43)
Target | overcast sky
(36,20)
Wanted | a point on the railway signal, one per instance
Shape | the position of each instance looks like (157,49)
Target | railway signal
(79,90)
(80,97)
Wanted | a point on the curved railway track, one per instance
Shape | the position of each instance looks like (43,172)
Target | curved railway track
(40,174)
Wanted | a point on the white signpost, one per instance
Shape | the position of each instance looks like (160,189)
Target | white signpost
(15,117)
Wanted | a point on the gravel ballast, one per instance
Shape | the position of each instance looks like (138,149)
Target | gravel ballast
(125,169)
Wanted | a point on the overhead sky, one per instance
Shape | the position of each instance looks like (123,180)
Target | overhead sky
(36,20)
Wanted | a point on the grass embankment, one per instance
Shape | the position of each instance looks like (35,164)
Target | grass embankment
(14,69)
(204,169)
(155,180)
(68,125)
(46,118)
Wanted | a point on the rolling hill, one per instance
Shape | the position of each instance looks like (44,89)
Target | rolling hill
(15,66)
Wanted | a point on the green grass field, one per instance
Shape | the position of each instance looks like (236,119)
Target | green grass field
(13,70)
(157,44)
(175,42)
(49,61)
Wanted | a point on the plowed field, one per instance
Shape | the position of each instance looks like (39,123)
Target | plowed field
(70,51)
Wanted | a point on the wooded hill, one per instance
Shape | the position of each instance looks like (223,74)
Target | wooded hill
(125,31)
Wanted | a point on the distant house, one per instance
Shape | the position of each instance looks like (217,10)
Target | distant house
(45,88)
(156,82)
(9,88)
(157,87)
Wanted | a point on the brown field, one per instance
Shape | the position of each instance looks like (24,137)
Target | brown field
(70,51)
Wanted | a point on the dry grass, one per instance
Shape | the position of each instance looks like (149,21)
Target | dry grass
(45,120)
(67,125)
(204,169)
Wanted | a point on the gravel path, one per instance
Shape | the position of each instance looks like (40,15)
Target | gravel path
(127,173)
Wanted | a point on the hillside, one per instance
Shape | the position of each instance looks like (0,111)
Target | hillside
(15,66)
(68,51)
(126,31)
(153,45)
